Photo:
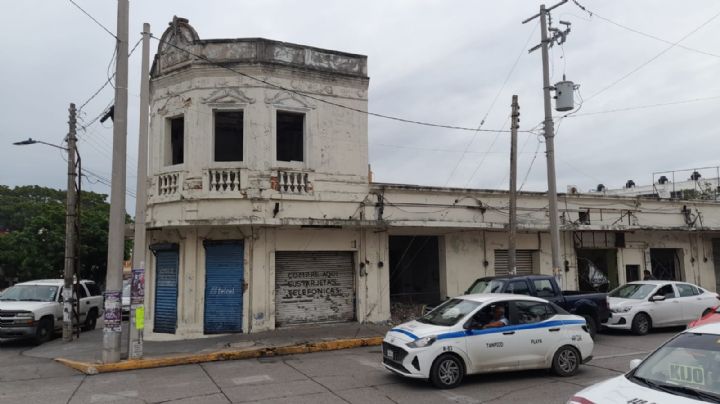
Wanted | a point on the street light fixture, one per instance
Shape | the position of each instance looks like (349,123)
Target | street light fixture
(72,224)
(33,141)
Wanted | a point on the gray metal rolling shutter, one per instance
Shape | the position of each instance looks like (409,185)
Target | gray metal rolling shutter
(523,262)
(223,287)
(166,291)
(314,287)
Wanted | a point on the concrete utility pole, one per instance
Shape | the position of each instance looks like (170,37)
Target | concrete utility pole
(70,229)
(112,330)
(137,289)
(512,242)
(549,134)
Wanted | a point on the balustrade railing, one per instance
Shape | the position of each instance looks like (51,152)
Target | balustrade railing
(224,180)
(168,184)
(294,182)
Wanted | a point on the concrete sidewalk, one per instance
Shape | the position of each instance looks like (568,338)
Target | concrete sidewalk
(85,355)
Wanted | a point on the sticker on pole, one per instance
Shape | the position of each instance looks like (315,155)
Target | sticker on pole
(140,317)
(137,287)
(113,311)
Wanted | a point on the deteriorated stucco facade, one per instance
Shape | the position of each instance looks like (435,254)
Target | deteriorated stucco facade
(323,202)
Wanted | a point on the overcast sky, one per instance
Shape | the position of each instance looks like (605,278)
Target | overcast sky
(438,61)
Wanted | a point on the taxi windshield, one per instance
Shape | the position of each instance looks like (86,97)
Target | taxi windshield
(450,312)
(688,365)
(632,291)
(486,286)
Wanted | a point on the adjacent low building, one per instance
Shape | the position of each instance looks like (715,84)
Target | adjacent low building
(262,213)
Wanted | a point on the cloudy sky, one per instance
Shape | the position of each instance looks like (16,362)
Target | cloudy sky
(452,62)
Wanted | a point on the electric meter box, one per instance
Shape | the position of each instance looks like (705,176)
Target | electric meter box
(564,100)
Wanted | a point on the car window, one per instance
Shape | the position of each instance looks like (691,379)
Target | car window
(543,287)
(689,361)
(518,288)
(487,314)
(666,291)
(93,288)
(450,312)
(31,293)
(632,291)
(486,286)
(532,312)
(686,290)
(80,291)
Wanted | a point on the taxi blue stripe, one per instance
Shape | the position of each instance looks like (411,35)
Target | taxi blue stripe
(546,324)
(408,333)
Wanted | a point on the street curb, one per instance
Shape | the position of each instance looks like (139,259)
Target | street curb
(232,354)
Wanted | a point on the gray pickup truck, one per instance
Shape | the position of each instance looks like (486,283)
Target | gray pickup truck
(35,310)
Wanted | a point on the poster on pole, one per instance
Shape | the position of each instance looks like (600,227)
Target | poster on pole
(113,311)
(137,287)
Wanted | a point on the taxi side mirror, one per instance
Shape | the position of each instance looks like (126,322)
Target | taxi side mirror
(657,298)
(635,363)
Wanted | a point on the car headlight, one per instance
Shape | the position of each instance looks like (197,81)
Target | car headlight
(422,342)
(25,315)
(624,309)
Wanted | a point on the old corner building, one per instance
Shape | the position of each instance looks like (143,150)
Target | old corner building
(262,212)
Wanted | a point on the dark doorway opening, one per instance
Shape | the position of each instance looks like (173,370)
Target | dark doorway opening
(665,264)
(597,269)
(414,275)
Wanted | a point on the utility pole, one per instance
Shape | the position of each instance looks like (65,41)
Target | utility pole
(71,217)
(112,330)
(549,134)
(137,287)
(512,242)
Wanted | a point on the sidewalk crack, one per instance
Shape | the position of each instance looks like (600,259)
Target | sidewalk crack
(215,383)
(317,382)
(76,389)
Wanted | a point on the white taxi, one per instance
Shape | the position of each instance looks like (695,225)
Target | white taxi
(686,369)
(487,333)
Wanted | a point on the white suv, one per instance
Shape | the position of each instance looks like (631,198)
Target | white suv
(34,309)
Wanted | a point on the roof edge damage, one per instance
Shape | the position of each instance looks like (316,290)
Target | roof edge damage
(180,47)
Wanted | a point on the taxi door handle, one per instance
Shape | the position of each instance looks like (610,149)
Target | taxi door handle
(554,329)
(509,333)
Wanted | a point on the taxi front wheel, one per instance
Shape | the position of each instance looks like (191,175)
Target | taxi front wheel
(447,371)
(566,361)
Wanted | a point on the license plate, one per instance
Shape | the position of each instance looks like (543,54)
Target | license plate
(389,354)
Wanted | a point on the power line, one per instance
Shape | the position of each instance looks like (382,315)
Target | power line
(318,99)
(105,181)
(625,27)
(110,77)
(94,19)
(638,107)
(490,108)
(652,59)
(431,149)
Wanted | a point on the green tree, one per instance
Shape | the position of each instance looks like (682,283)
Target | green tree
(32,242)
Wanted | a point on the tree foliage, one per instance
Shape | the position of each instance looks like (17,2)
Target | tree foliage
(32,242)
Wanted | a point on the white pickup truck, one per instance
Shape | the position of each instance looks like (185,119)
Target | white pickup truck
(35,309)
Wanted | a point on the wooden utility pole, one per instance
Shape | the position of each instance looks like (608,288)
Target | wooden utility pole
(71,228)
(112,329)
(512,242)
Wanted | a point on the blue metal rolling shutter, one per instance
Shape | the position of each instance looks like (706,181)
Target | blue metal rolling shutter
(166,291)
(223,287)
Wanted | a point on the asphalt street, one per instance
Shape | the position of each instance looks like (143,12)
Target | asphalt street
(349,376)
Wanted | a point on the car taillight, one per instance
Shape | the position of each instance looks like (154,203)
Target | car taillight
(579,400)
